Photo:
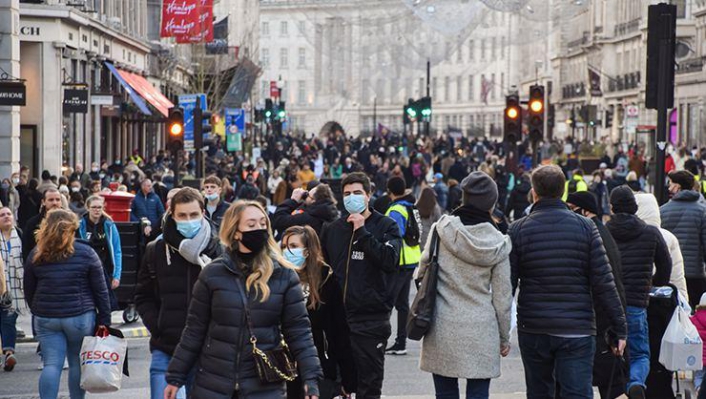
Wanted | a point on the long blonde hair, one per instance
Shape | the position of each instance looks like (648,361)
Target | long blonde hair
(55,237)
(262,264)
(95,198)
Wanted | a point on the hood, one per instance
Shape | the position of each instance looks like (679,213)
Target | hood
(648,209)
(323,210)
(687,195)
(625,227)
(479,245)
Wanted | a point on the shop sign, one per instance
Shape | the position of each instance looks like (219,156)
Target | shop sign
(75,101)
(13,93)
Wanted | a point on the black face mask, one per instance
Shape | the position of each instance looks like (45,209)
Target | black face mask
(255,240)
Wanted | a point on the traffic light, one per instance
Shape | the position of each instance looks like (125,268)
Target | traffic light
(536,113)
(202,125)
(411,110)
(268,110)
(175,129)
(281,111)
(608,118)
(512,118)
(425,108)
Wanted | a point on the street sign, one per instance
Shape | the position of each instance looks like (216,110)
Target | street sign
(234,142)
(13,93)
(235,126)
(75,101)
(188,103)
(632,111)
(256,154)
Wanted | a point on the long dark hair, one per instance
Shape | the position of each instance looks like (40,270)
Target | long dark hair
(311,272)
(426,202)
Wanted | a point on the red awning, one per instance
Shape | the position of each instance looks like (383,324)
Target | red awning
(147,91)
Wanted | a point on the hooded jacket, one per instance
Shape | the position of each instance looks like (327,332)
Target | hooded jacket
(217,338)
(360,260)
(113,239)
(685,217)
(290,213)
(474,297)
(640,247)
(559,263)
(648,211)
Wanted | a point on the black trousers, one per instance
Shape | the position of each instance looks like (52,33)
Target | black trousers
(399,290)
(368,349)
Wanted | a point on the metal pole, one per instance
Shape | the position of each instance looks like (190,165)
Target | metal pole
(197,149)
(426,122)
(665,62)
(375,114)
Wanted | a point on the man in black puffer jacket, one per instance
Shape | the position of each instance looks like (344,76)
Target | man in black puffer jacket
(560,265)
(167,276)
(685,217)
(640,247)
(317,208)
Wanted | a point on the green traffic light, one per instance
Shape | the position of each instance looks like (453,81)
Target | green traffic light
(426,112)
(268,113)
(281,114)
(411,112)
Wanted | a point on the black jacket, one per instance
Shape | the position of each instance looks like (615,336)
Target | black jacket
(360,261)
(28,238)
(640,246)
(216,217)
(685,217)
(164,290)
(289,213)
(455,198)
(68,288)
(216,337)
(611,248)
(518,201)
(559,262)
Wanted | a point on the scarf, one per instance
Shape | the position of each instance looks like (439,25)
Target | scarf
(471,216)
(189,248)
(11,252)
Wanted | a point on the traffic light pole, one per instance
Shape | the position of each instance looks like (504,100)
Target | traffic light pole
(665,62)
(426,122)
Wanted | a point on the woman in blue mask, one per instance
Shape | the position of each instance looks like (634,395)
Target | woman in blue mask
(301,247)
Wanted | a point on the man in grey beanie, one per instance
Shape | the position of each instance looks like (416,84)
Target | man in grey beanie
(560,265)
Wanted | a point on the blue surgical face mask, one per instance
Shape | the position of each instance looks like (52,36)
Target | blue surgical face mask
(189,228)
(295,256)
(354,203)
(212,197)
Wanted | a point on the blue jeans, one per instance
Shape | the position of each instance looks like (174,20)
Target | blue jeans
(639,346)
(549,360)
(158,376)
(447,388)
(8,329)
(61,338)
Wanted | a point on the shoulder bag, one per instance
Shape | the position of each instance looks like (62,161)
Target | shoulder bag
(421,313)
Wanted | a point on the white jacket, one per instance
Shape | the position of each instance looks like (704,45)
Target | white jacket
(648,211)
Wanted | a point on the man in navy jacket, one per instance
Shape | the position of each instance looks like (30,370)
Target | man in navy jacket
(147,206)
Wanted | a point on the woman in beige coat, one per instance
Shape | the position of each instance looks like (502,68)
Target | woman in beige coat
(471,326)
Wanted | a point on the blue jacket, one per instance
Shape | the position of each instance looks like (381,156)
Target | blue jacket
(116,251)
(560,265)
(68,288)
(442,194)
(147,206)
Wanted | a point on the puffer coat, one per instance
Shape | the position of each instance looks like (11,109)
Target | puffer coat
(216,339)
(685,217)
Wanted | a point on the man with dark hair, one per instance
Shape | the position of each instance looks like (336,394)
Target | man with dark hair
(401,210)
(685,217)
(362,247)
(560,263)
(169,270)
(147,208)
(215,206)
(51,200)
(46,182)
(306,208)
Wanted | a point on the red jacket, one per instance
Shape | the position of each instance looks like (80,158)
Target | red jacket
(699,320)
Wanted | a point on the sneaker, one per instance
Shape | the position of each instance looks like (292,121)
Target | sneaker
(10,362)
(636,392)
(396,349)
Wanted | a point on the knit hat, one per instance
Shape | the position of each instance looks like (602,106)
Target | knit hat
(479,190)
(396,185)
(683,178)
(623,200)
(585,200)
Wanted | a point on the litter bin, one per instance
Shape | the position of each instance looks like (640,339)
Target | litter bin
(117,205)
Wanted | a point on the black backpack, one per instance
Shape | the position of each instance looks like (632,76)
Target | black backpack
(413,230)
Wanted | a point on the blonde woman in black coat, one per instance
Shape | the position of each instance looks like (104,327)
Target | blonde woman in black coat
(217,337)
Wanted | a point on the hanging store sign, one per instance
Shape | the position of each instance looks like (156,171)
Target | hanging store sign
(101,99)
(75,101)
(13,93)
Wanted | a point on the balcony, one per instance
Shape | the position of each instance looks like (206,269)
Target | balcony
(574,90)
(628,81)
(627,28)
(578,42)
(690,65)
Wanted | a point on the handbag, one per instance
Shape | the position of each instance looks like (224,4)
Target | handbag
(421,313)
(102,360)
(273,366)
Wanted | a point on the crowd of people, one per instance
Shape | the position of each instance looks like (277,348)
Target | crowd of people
(306,250)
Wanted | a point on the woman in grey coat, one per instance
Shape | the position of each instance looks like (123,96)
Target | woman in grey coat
(471,326)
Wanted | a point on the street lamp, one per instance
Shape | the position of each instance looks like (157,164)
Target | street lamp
(280,86)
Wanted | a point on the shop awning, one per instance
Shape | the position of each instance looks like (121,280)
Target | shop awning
(139,101)
(148,92)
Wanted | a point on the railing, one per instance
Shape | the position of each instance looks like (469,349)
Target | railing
(627,27)
(628,81)
(573,90)
(690,65)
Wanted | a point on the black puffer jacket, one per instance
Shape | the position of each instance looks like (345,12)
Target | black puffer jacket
(216,337)
(289,213)
(685,217)
(559,262)
(164,290)
(640,246)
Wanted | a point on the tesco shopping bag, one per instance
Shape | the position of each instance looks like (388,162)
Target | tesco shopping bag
(682,348)
(102,359)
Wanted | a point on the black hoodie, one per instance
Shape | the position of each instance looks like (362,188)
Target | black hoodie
(290,213)
(640,246)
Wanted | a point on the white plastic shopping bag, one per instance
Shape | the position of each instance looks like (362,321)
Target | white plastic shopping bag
(102,361)
(682,348)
